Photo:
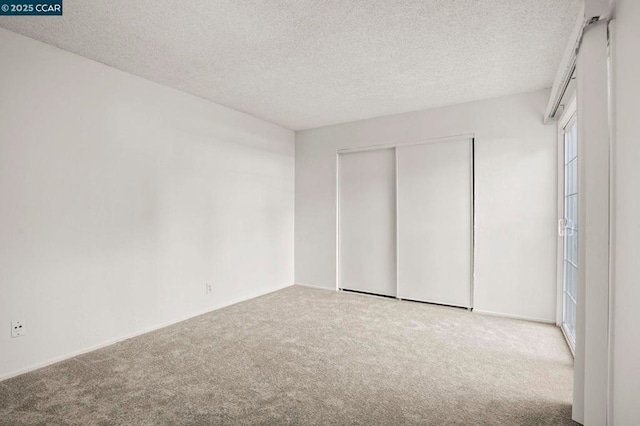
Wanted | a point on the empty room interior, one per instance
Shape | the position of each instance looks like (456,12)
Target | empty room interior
(333,212)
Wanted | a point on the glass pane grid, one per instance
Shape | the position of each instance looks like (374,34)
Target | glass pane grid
(570,263)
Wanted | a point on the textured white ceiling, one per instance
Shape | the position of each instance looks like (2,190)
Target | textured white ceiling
(310,63)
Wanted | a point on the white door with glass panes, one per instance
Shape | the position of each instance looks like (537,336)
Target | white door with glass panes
(568,227)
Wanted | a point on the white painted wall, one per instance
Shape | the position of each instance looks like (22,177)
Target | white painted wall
(120,199)
(516,196)
(626,217)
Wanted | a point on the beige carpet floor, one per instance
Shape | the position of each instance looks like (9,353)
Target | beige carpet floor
(311,357)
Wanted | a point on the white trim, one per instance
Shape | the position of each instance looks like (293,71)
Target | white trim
(570,343)
(472,191)
(559,215)
(519,317)
(475,311)
(315,286)
(611,57)
(337,222)
(103,345)
(395,154)
(410,142)
(128,336)
(568,113)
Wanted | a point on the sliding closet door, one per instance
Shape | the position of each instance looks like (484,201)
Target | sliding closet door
(367,222)
(435,222)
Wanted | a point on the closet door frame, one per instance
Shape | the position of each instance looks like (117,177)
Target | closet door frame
(468,136)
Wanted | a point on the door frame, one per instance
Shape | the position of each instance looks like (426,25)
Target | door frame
(413,142)
(569,114)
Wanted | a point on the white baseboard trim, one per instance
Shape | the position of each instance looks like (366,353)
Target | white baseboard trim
(315,286)
(520,317)
(110,342)
(478,311)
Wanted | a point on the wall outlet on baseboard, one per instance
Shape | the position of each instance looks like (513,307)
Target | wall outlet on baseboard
(18,329)
(209,288)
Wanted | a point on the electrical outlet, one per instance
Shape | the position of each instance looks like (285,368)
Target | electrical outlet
(209,288)
(18,329)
